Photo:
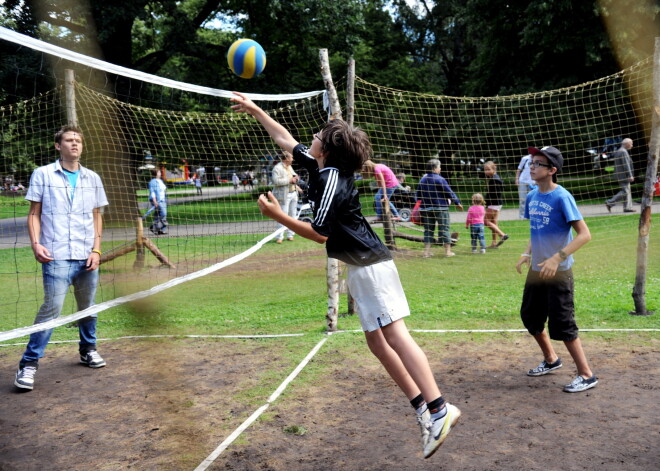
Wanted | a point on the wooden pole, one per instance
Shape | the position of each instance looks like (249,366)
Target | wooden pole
(332,272)
(335,109)
(70,94)
(644,229)
(350,92)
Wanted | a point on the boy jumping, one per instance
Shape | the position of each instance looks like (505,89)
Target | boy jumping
(337,152)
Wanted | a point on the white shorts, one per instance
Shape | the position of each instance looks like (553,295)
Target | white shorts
(495,207)
(378,294)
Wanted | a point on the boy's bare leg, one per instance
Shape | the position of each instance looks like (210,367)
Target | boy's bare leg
(549,354)
(392,363)
(413,358)
(577,352)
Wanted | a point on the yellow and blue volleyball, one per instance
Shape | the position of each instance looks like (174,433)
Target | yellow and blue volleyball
(246,58)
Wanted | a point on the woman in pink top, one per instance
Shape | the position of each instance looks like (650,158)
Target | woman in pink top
(387,183)
(475,221)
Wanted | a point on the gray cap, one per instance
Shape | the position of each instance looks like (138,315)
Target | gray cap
(552,154)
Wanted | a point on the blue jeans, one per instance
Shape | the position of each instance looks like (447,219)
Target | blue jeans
(161,211)
(379,203)
(58,275)
(431,217)
(477,234)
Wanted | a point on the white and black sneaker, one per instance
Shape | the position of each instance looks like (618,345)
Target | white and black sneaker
(544,368)
(92,359)
(580,384)
(25,376)
(440,429)
(424,421)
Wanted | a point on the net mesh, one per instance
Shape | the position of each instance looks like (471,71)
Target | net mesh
(131,127)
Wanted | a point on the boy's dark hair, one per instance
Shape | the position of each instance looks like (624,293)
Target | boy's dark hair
(67,128)
(154,172)
(346,147)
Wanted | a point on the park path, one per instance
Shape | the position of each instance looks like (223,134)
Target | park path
(14,234)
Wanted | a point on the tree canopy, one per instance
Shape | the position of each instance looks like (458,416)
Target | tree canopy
(453,47)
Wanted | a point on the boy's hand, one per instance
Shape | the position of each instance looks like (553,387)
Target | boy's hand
(243,104)
(269,206)
(522,261)
(549,267)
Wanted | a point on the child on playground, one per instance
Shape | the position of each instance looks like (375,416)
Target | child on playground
(337,152)
(548,293)
(475,222)
(494,201)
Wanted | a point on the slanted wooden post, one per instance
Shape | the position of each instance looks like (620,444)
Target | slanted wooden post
(639,290)
(139,244)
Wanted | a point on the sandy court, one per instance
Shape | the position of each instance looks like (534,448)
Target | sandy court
(166,404)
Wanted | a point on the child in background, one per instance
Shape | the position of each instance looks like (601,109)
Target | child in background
(494,201)
(475,222)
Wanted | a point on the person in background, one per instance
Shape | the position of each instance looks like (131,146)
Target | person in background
(158,200)
(285,189)
(494,201)
(524,183)
(387,183)
(475,222)
(65,227)
(624,174)
(198,184)
(436,196)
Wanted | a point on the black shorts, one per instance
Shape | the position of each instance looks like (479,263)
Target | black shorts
(551,301)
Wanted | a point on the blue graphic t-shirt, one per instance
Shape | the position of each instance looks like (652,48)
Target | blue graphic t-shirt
(550,216)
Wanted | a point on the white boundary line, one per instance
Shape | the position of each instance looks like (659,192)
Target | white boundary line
(189,336)
(255,415)
(267,336)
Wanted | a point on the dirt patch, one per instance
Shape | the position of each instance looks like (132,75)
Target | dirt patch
(166,404)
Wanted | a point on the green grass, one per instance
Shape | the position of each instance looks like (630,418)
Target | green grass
(463,292)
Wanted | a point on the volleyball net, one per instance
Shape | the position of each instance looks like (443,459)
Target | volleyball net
(133,124)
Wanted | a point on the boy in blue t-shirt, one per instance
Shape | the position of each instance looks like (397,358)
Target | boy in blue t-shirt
(548,293)
(336,153)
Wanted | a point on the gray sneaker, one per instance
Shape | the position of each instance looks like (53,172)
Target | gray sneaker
(92,359)
(580,384)
(25,376)
(544,368)
(424,421)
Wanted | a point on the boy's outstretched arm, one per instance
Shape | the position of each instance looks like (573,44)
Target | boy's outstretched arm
(271,208)
(278,133)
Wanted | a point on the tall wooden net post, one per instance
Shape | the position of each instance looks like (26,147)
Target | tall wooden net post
(644,229)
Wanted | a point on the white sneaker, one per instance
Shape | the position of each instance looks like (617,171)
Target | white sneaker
(424,421)
(25,377)
(92,359)
(440,430)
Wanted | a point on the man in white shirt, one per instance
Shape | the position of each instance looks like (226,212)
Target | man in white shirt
(523,181)
(65,227)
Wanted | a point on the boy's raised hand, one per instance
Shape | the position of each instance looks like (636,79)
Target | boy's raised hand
(243,104)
